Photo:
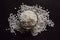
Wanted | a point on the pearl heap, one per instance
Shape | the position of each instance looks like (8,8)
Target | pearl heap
(30,18)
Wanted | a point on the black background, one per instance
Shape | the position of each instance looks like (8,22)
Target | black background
(7,7)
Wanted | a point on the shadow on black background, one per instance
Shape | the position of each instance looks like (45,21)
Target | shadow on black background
(7,6)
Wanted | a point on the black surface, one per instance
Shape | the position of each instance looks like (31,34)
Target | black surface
(51,34)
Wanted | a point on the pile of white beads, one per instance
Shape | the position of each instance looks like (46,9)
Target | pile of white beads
(35,19)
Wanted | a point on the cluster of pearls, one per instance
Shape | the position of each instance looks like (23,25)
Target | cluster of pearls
(31,18)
